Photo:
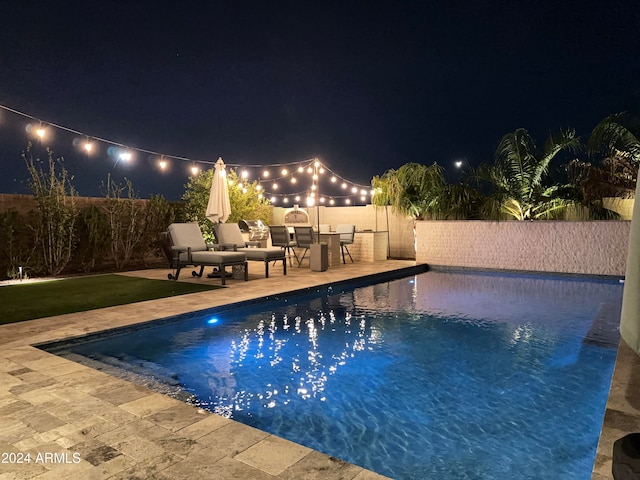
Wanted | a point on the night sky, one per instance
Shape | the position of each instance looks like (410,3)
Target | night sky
(363,86)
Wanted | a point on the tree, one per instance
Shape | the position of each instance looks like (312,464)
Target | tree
(246,201)
(422,192)
(520,176)
(612,172)
(616,135)
(56,210)
(126,222)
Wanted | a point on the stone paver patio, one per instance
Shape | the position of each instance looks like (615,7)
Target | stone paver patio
(77,422)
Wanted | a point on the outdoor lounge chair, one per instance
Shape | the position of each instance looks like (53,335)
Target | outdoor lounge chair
(304,239)
(280,237)
(347,233)
(189,248)
(230,237)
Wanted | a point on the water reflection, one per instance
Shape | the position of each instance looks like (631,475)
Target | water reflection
(293,357)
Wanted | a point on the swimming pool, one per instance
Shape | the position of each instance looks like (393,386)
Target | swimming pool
(438,375)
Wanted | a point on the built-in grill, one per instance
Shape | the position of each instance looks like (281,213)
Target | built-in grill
(256,228)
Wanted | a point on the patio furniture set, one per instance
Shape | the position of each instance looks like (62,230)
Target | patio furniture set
(184,245)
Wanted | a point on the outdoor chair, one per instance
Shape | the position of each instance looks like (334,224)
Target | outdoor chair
(304,238)
(188,248)
(229,237)
(280,237)
(347,233)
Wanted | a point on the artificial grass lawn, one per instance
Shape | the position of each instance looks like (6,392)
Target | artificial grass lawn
(36,300)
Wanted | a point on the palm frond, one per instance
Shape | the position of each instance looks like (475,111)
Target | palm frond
(616,133)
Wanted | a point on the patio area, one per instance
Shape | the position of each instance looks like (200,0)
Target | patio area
(77,422)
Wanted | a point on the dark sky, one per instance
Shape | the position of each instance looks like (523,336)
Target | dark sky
(364,86)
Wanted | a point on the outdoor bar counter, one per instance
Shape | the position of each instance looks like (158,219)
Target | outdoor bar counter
(369,246)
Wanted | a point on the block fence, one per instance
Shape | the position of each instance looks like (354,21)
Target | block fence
(594,248)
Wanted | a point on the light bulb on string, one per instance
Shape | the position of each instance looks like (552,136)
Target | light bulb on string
(309,170)
(275,186)
(293,180)
(297,198)
(245,174)
(284,171)
(265,174)
(344,185)
(354,190)
(321,170)
(285,200)
(348,201)
(273,199)
(363,198)
(332,201)
(334,179)
(300,169)
(162,163)
(195,170)
(322,199)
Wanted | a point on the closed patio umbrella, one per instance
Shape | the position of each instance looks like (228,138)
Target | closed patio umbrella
(219,206)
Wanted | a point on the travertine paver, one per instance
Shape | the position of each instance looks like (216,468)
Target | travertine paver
(91,425)
(273,454)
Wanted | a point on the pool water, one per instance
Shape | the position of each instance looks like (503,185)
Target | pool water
(438,375)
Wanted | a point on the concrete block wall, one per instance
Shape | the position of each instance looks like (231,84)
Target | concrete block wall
(595,248)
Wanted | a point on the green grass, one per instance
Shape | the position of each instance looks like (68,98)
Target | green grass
(37,300)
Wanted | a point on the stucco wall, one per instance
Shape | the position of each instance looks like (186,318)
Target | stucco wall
(596,248)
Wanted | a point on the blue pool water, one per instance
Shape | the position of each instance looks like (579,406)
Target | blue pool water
(438,375)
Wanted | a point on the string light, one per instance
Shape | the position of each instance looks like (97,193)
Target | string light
(125,153)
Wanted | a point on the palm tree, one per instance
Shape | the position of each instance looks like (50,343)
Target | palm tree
(616,134)
(519,177)
(422,192)
(614,148)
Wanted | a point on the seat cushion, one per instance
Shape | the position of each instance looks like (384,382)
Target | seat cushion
(214,257)
(187,235)
(264,254)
